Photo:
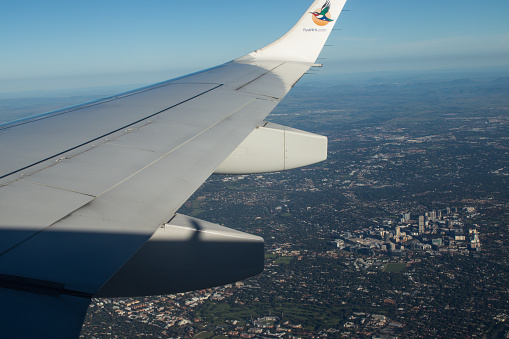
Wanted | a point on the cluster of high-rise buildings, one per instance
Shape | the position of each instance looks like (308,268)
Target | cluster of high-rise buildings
(441,230)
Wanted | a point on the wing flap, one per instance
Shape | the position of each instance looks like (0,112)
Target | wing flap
(26,209)
(95,171)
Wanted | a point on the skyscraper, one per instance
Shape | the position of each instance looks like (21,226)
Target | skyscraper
(421,224)
(433,215)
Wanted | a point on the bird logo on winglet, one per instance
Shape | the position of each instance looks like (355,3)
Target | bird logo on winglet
(321,17)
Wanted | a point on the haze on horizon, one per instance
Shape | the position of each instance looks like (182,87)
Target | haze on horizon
(57,44)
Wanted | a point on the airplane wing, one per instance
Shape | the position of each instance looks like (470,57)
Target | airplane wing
(89,194)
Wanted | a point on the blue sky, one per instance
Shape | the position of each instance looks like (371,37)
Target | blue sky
(73,44)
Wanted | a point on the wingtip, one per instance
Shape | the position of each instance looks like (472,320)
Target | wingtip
(304,42)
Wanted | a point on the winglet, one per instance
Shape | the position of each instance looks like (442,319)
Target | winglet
(306,39)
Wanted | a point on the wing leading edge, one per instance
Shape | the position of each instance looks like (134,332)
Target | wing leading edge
(83,199)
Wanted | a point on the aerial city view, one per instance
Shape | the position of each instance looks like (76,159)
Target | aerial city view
(400,233)
(114,214)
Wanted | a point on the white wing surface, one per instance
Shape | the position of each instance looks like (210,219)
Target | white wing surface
(89,194)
